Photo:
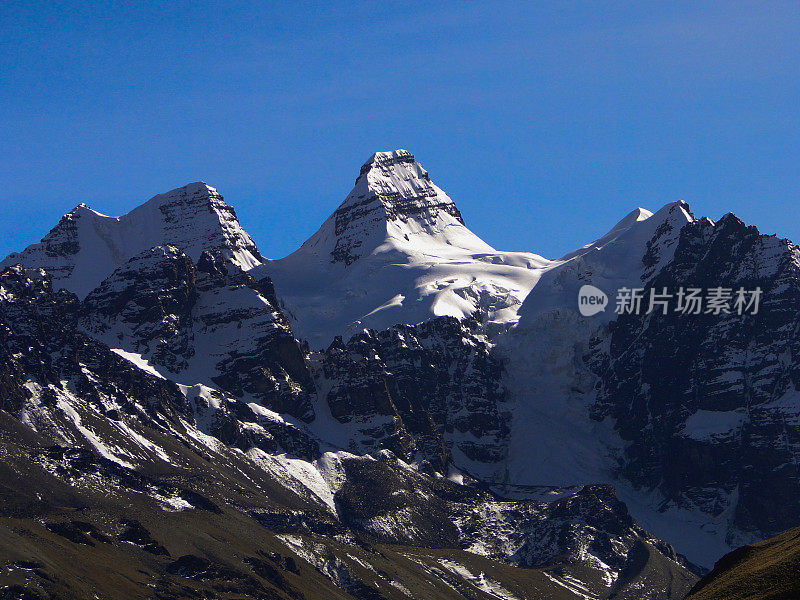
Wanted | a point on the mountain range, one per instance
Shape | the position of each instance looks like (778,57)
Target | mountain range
(394,410)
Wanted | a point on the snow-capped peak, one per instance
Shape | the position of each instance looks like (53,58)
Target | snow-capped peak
(86,246)
(401,185)
(84,209)
(396,251)
(393,206)
(628,221)
(631,253)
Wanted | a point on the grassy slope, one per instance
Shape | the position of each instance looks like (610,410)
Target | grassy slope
(769,570)
(239,558)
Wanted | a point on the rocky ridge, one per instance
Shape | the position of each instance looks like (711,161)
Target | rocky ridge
(458,424)
(107,460)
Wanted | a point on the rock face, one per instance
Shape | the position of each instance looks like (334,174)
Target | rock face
(430,390)
(45,357)
(58,380)
(588,526)
(146,305)
(208,323)
(393,196)
(693,416)
(708,403)
(155,467)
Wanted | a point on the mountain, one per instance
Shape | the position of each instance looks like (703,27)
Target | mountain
(394,410)
(206,323)
(396,250)
(763,571)
(685,414)
(717,438)
(120,482)
(86,246)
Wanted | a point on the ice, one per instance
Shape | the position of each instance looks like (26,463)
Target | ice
(414,259)
(705,425)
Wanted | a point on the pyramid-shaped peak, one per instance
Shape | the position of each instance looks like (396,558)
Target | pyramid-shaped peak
(199,190)
(394,206)
(197,187)
(196,217)
(397,184)
(640,224)
(394,174)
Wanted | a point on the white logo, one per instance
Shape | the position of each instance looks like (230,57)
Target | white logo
(591,300)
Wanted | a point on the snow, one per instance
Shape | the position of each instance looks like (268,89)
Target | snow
(397,251)
(170,503)
(330,468)
(480,581)
(205,402)
(630,220)
(455,475)
(410,257)
(296,474)
(705,425)
(137,360)
(572,585)
(696,534)
(69,411)
(415,260)
(322,477)
(115,440)
(202,438)
(610,263)
(553,441)
(143,442)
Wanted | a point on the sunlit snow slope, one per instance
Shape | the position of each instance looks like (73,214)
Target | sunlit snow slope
(396,251)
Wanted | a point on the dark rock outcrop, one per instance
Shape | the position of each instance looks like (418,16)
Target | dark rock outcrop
(707,401)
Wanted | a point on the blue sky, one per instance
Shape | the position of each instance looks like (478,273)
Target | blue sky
(545,122)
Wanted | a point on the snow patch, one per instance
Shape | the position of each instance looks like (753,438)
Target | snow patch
(137,360)
(706,425)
